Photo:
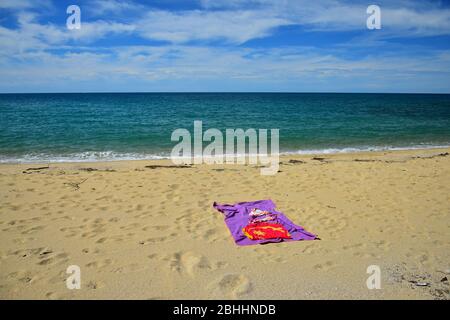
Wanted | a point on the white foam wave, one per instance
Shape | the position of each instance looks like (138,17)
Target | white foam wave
(94,156)
(89,156)
(362,149)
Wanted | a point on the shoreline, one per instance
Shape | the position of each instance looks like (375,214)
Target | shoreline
(302,154)
(376,153)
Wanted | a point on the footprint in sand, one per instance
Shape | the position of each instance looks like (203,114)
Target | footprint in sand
(22,276)
(232,286)
(93,285)
(52,296)
(33,229)
(192,263)
(58,278)
(61,258)
(156,228)
(324,266)
(131,267)
(189,263)
(153,256)
(23,240)
(100,264)
(45,255)
(214,234)
(132,226)
(158,239)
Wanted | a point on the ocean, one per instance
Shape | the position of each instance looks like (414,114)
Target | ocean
(123,126)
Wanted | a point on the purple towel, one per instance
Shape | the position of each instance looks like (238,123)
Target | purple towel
(237,217)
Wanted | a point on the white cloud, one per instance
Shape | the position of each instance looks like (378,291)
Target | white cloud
(399,18)
(233,27)
(238,21)
(17,4)
(237,4)
(32,35)
(407,22)
(115,7)
(148,66)
(91,31)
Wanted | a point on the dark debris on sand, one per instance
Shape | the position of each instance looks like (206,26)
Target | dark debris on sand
(156,166)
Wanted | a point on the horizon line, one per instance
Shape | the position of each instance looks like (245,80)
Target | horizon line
(222,92)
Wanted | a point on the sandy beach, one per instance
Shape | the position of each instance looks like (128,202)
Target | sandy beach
(145,230)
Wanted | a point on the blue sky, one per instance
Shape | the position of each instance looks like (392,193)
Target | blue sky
(224,45)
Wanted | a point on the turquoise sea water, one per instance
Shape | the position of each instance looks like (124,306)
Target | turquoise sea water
(108,126)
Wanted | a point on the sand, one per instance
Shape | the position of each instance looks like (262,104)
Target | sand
(151,233)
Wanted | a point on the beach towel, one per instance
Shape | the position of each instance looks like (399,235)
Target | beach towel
(264,231)
(243,216)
